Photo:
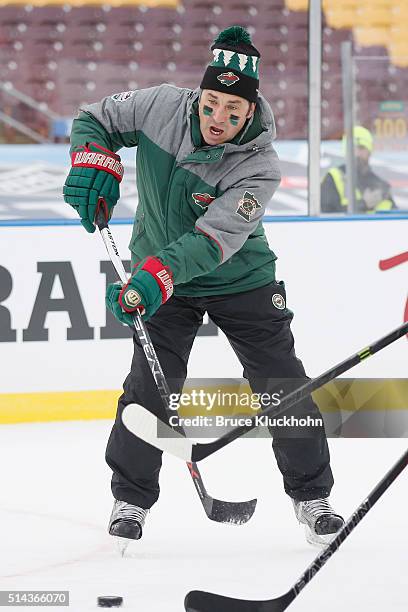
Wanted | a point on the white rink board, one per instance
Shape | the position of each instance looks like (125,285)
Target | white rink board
(341,299)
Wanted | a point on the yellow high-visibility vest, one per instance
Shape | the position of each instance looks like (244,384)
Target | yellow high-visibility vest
(340,184)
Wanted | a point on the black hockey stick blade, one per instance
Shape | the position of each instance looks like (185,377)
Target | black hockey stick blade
(150,429)
(233,513)
(201,601)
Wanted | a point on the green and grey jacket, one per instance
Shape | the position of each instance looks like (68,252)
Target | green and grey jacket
(200,207)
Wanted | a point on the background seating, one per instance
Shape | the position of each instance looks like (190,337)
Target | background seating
(69,55)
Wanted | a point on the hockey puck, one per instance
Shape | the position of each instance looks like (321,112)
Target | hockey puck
(109,601)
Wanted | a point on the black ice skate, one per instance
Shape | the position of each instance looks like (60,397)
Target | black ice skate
(320,520)
(126,523)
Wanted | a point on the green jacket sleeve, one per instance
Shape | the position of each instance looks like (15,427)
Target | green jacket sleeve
(193,254)
(86,128)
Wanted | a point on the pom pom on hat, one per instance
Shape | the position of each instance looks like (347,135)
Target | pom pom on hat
(234,36)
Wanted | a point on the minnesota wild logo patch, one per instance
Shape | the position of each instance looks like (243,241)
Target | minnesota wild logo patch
(122,97)
(203,199)
(227,78)
(278,301)
(247,206)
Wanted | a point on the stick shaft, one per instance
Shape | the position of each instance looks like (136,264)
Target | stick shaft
(202,601)
(200,451)
(148,348)
(352,522)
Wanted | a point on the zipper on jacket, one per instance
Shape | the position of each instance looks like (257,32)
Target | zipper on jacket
(168,196)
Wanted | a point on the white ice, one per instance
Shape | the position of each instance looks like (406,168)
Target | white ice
(56,500)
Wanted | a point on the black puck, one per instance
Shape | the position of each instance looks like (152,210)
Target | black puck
(109,601)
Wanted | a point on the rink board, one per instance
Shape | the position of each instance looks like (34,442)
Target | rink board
(63,358)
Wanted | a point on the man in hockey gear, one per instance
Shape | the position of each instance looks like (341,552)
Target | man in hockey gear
(206,169)
(149,287)
(320,520)
(96,173)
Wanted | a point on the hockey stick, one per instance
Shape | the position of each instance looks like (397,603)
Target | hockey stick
(201,601)
(235,513)
(148,427)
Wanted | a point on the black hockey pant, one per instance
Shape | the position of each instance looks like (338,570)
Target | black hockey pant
(260,335)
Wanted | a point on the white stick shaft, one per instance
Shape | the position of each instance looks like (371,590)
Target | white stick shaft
(114,254)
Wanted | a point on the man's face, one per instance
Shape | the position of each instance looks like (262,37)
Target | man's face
(362,156)
(222,116)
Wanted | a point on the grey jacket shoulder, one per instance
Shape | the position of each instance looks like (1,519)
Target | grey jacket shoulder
(134,111)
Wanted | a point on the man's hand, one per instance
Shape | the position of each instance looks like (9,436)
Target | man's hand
(96,173)
(150,286)
(372,197)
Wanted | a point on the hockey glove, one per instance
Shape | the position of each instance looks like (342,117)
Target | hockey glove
(150,286)
(95,174)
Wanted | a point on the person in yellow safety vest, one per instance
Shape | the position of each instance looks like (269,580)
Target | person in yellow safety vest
(373,194)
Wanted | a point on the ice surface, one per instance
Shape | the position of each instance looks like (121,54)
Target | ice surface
(55,502)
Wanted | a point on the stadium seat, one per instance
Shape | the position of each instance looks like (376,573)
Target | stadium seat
(223,18)
(400,16)
(369,15)
(371,70)
(297,5)
(333,4)
(368,36)
(399,52)
(340,17)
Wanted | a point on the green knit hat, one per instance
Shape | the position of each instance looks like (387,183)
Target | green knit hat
(235,67)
